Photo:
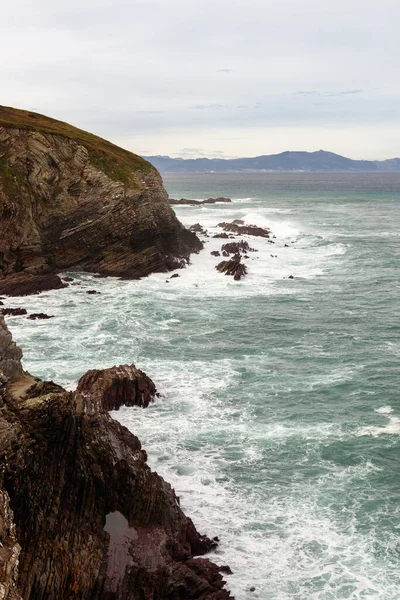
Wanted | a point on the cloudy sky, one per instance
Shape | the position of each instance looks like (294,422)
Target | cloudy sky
(211,77)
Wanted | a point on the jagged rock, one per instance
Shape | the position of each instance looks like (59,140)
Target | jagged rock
(14,312)
(291,277)
(36,316)
(21,284)
(224,236)
(215,253)
(89,519)
(174,276)
(233,267)
(197,202)
(237,248)
(245,229)
(124,385)
(197,228)
(69,199)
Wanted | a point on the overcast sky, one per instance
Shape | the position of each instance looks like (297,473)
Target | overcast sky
(211,77)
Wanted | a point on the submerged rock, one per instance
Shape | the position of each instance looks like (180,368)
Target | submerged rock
(36,316)
(82,516)
(69,199)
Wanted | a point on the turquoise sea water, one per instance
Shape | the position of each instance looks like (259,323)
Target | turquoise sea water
(279,421)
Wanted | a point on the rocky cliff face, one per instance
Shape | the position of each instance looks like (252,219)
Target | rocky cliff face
(81,514)
(70,200)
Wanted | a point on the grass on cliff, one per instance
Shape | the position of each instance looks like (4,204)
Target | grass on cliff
(116,162)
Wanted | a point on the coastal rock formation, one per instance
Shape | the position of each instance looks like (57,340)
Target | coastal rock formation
(118,386)
(237,248)
(237,227)
(70,200)
(198,202)
(82,517)
(233,267)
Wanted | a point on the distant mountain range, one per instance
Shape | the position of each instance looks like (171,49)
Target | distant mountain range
(320,161)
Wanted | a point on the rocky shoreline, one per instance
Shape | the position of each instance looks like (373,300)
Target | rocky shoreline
(81,514)
(72,201)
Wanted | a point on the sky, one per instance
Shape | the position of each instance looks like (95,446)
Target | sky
(216,78)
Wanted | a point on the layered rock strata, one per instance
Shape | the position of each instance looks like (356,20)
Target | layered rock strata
(81,514)
(72,201)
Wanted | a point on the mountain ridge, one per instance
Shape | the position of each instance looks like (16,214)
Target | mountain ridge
(288,161)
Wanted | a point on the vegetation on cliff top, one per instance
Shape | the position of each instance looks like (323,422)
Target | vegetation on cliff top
(116,162)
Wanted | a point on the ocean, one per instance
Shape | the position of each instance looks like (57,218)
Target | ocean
(278,423)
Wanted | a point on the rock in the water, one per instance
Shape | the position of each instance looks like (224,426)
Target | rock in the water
(237,248)
(93,292)
(245,229)
(14,312)
(223,236)
(71,199)
(174,276)
(215,253)
(233,267)
(124,385)
(89,519)
(21,284)
(198,202)
(35,316)
(197,228)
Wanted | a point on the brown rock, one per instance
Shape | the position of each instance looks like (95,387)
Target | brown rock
(14,312)
(24,284)
(215,253)
(70,199)
(232,267)
(124,385)
(245,229)
(237,248)
(93,292)
(89,519)
(35,316)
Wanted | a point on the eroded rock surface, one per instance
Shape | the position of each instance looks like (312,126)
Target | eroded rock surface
(72,201)
(233,267)
(237,227)
(81,514)
(198,202)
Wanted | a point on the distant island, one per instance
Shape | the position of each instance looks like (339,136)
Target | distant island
(317,162)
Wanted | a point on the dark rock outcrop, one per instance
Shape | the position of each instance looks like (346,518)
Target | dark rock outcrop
(13,312)
(198,202)
(118,386)
(237,248)
(72,201)
(82,516)
(245,229)
(39,316)
(233,267)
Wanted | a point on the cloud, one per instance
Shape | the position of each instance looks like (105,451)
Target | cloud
(112,68)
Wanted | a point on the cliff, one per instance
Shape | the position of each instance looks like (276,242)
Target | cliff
(71,200)
(81,514)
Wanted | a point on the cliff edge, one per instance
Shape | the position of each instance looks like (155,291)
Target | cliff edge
(71,200)
(82,516)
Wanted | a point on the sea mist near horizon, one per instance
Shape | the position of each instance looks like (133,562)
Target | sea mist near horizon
(279,418)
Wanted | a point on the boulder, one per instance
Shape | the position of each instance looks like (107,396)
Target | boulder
(233,267)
